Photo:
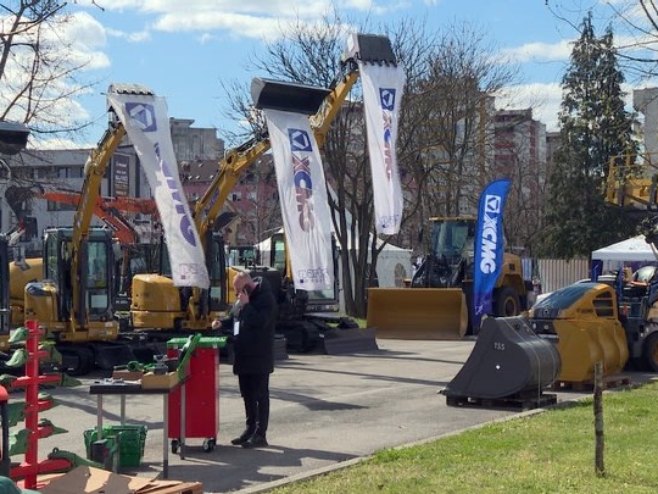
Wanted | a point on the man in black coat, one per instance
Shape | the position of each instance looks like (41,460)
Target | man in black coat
(254,321)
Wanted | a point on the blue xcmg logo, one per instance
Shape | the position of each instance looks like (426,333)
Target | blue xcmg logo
(143,115)
(299,140)
(492,204)
(387,98)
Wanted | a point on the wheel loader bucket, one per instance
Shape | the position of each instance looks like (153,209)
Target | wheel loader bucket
(508,360)
(417,313)
(287,96)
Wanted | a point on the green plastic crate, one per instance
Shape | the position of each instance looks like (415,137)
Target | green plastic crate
(131,440)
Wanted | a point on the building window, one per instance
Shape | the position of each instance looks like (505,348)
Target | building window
(58,206)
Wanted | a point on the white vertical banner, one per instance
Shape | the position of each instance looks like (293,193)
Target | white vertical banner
(303,198)
(147,124)
(382,95)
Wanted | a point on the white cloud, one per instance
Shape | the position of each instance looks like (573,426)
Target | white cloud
(532,52)
(250,26)
(135,37)
(544,99)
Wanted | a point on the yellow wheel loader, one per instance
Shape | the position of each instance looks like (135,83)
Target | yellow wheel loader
(437,306)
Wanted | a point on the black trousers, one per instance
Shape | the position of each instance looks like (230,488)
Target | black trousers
(255,391)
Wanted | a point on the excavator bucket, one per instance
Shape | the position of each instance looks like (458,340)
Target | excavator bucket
(508,361)
(583,343)
(418,313)
(287,96)
(583,318)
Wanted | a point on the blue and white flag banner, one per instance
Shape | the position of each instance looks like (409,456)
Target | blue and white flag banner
(382,95)
(147,125)
(303,199)
(489,248)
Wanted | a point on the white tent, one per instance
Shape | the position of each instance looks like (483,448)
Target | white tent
(634,249)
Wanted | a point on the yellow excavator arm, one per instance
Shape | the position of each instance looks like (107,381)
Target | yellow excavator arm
(94,171)
(368,48)
(629,183)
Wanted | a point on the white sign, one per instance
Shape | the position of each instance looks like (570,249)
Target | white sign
(382,95)
(147,124)
(303,198)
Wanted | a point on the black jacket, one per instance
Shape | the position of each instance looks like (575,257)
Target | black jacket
(254,343)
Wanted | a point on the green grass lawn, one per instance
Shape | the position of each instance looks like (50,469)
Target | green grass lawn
(551,452)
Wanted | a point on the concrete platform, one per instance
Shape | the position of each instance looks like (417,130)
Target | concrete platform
(325,410)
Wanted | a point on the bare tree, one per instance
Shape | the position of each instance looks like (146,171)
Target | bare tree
(517,158)
(37,71)
(429,123)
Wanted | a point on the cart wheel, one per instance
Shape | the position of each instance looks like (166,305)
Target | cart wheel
(174,446)
(208,445)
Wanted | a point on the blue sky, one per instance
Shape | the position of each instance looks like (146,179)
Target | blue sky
(183,49)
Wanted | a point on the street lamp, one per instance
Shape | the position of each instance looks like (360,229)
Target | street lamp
(13,139)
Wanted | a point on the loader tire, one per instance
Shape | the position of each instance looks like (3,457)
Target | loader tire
(507,302)
(650,352)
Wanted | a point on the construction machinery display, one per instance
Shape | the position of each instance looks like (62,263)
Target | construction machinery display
(612,319)
(509,365)
(74,301)
(437,306)
(159,306)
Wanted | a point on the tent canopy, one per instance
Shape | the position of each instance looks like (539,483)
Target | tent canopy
(634,249)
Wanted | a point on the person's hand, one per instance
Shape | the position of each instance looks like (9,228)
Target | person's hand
(216,324)
(243,297)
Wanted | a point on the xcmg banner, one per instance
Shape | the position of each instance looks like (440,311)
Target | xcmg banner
(303,198)
(382,95)
(147,124)
(489,249)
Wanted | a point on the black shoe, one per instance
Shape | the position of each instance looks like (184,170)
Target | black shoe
(255,441)
(242,439)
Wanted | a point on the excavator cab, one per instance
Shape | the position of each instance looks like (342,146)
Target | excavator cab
(315,300)
(159,305)
(52,301)
(450,256)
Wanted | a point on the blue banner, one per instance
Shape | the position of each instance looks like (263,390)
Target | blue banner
(489,248)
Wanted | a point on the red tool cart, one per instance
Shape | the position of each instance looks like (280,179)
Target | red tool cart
(201,393)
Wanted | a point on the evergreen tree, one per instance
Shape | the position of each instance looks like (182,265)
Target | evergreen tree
(594,126)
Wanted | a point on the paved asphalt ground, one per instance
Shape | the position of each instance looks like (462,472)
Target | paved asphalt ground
(325,410)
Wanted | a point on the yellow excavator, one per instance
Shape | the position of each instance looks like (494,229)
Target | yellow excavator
(22,272)
(159,306)
(74,301)
(436,307)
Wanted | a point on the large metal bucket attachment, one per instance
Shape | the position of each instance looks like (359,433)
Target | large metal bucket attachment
(417,313)
(369,48)
(508,360)
(583,343)
(287,96)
